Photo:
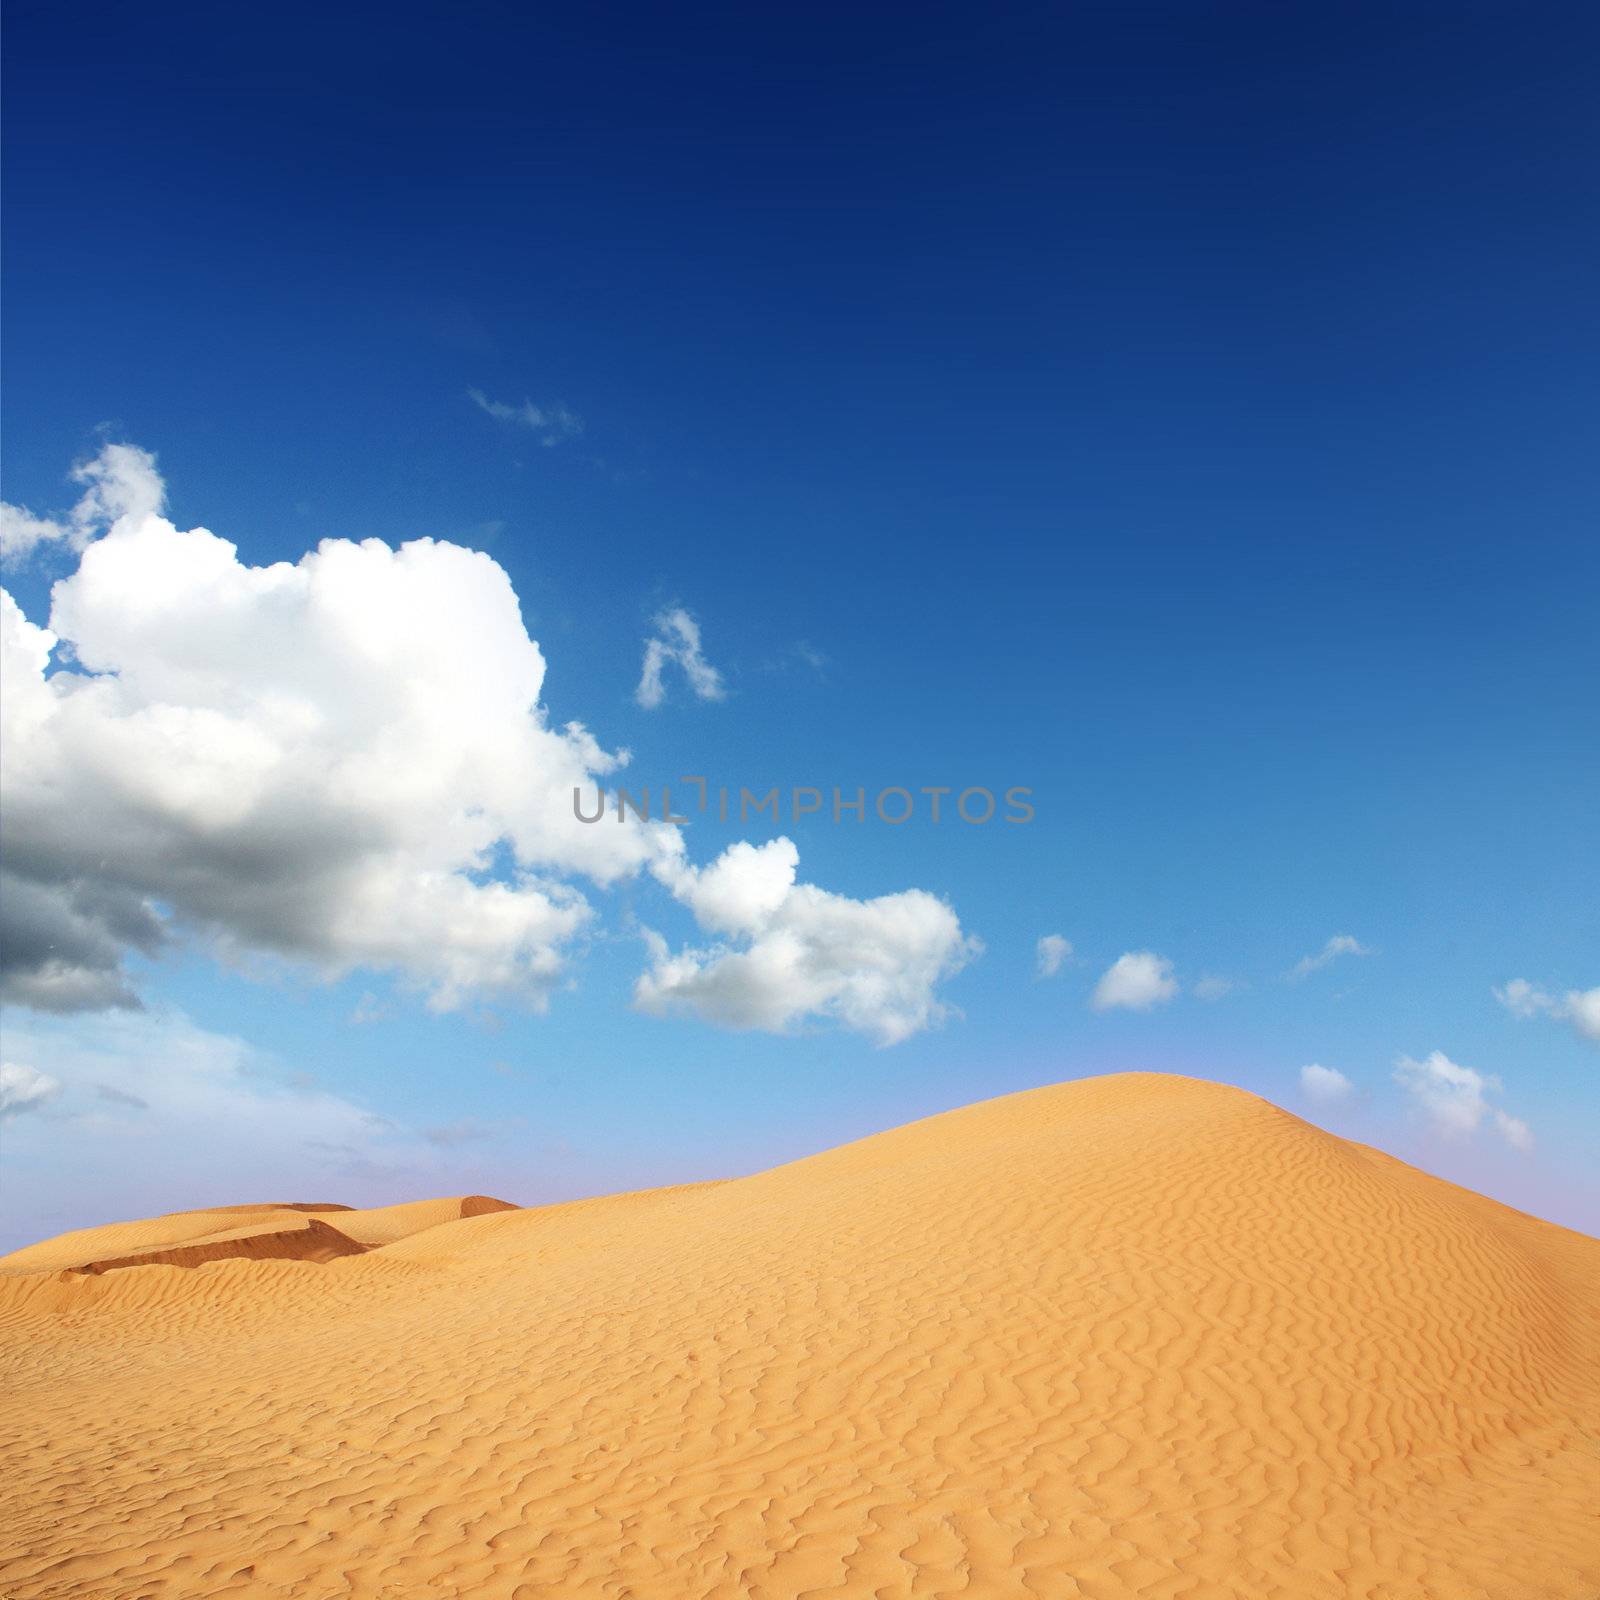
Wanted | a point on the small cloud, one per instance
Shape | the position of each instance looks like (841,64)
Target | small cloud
(676,639)
(1052,953)
(24,1089)
(1341,944)
(1135,981)
(1524,999)
(1580,1007)
(1582,1010)
(1326,1085)
(1455,1098)
(1212,987)
(797,657)
(120,1097)
(21,533)
(785,953)
(456,1133)
(552,423)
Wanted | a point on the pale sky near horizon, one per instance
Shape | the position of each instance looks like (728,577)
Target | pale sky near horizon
(1187,419)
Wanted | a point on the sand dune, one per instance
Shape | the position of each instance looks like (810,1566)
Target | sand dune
(1132,1336)
(267,1205)
(302,1239)
(385,1224)
(287,1231)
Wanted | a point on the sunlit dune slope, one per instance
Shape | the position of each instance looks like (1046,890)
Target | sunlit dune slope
(1133,1336)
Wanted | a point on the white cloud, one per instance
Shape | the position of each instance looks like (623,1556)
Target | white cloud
(1515,1131)
(1052,953)
(120,481)
(1341,944)
(1214,988)
(1451,1095)
(676,639)
(1324,1084)
(1580,1007)
(1135,981)
(1524,999)
(1455,1098)
(790,952)
(1582,1010)
(23,1089)
(552,423)
(21,533)
(343,762)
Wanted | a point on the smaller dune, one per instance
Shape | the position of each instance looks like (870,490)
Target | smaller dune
(288,1231)
(303,1239)
(70,1251)
(386,1224)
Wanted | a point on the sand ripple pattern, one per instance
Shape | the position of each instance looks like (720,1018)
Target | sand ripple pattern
(1130,1336)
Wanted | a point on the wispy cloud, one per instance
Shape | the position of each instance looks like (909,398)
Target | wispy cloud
(467,1131)
(676,641)
(368,1008)
(551,423)
(149,1112)
(120,1097)
(1341,944)
(21,533)
(1580,1007)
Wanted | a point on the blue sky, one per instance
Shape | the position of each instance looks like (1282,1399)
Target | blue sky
(1187,416)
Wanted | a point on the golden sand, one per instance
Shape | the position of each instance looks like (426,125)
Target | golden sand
(1132,1336)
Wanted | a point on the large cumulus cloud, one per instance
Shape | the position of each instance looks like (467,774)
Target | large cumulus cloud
(345,762)
(317,760)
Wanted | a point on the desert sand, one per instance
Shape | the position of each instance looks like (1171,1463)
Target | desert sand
(1130,1336)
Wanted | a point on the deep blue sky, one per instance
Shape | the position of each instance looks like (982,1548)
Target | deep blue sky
(1187,411)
